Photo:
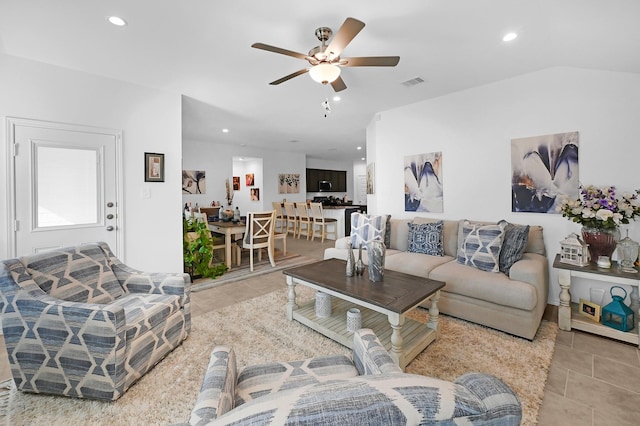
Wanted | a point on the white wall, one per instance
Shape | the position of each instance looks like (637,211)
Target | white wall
(150,121)
(242,198)
(217,160)
(474,128)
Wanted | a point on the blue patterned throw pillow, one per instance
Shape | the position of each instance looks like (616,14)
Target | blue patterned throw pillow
(426,238)
(515,241)
(366,228)
(480,246)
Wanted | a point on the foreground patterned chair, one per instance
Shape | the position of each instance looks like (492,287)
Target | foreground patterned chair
(78,322)
(369,389)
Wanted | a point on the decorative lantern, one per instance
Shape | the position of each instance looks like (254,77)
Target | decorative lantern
(616,314)
(574,251)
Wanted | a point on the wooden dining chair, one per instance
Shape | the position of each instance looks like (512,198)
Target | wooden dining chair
(303,219)
(292,218)
(280,216)
(322,223)
(259,234)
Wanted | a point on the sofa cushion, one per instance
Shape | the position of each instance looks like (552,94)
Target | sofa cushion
(417,264)
(487,286)
(426,238)
(535,242)
(258,380)
(515,240)
(480,245)
(144,312)
(367,228)
(75,274)
(399,237)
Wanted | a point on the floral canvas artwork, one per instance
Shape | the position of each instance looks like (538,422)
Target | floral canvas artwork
(544,171)
(193,182)
(288,183)
(423,183)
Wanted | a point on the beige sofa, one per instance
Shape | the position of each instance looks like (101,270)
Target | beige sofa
(513,304)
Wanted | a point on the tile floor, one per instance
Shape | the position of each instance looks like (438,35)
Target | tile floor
(593,381)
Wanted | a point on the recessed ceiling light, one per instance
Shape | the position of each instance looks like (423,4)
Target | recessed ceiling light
(509,37)
(336,98)
(362,158)
(225,130)
(117,21)
(359,148)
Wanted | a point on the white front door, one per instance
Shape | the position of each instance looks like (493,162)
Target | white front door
(65,186)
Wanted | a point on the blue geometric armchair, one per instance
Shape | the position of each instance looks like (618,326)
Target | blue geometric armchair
(367,388)
(78,322)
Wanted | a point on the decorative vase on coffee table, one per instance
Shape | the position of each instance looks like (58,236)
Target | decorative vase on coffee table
(359,268)
(376,251)
(602,241)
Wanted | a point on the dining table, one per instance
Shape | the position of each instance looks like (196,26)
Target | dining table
(229,229)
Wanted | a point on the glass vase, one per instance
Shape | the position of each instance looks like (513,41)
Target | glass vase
(376,252)
(359,268)
(602,242)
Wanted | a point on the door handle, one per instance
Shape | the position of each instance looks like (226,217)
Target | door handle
(110,228)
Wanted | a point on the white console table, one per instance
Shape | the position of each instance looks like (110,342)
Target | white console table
(568,315)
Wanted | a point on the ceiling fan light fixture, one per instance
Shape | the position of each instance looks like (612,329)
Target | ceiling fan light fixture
(324,73)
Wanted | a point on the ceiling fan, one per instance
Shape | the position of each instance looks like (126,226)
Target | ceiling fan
(325,59)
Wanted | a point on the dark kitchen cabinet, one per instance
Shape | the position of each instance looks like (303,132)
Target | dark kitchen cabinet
(338,179)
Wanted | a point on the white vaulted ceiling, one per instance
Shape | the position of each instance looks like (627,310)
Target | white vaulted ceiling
(202,49)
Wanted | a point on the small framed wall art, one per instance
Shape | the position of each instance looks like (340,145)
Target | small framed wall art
(153,167)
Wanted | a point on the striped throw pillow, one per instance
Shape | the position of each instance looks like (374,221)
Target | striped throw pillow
(480,246)
(367,228)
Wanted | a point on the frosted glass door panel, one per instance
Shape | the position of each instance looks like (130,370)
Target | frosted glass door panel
(67,187)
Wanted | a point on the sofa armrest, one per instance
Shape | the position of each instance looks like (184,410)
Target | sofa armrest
(136,281)
(500,401)
(532,269)
(342,243)
(369,356)
(217,394)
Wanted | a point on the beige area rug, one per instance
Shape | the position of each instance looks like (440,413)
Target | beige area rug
(260,332)
(243,271)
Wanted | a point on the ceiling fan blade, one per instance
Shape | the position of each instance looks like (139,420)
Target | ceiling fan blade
(290,76)
(338,84)
(370,61)
(349,29)
(274,49)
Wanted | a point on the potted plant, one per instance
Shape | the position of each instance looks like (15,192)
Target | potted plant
(197,253)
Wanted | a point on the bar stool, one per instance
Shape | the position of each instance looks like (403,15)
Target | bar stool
(317,214)
(292,218)
(304,219)
(280,216)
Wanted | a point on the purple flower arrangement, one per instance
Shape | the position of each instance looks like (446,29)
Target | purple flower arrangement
(601,208)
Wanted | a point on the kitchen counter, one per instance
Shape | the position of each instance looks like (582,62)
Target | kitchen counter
(342,214)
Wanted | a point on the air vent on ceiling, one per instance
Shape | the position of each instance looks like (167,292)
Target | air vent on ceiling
(413,82)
